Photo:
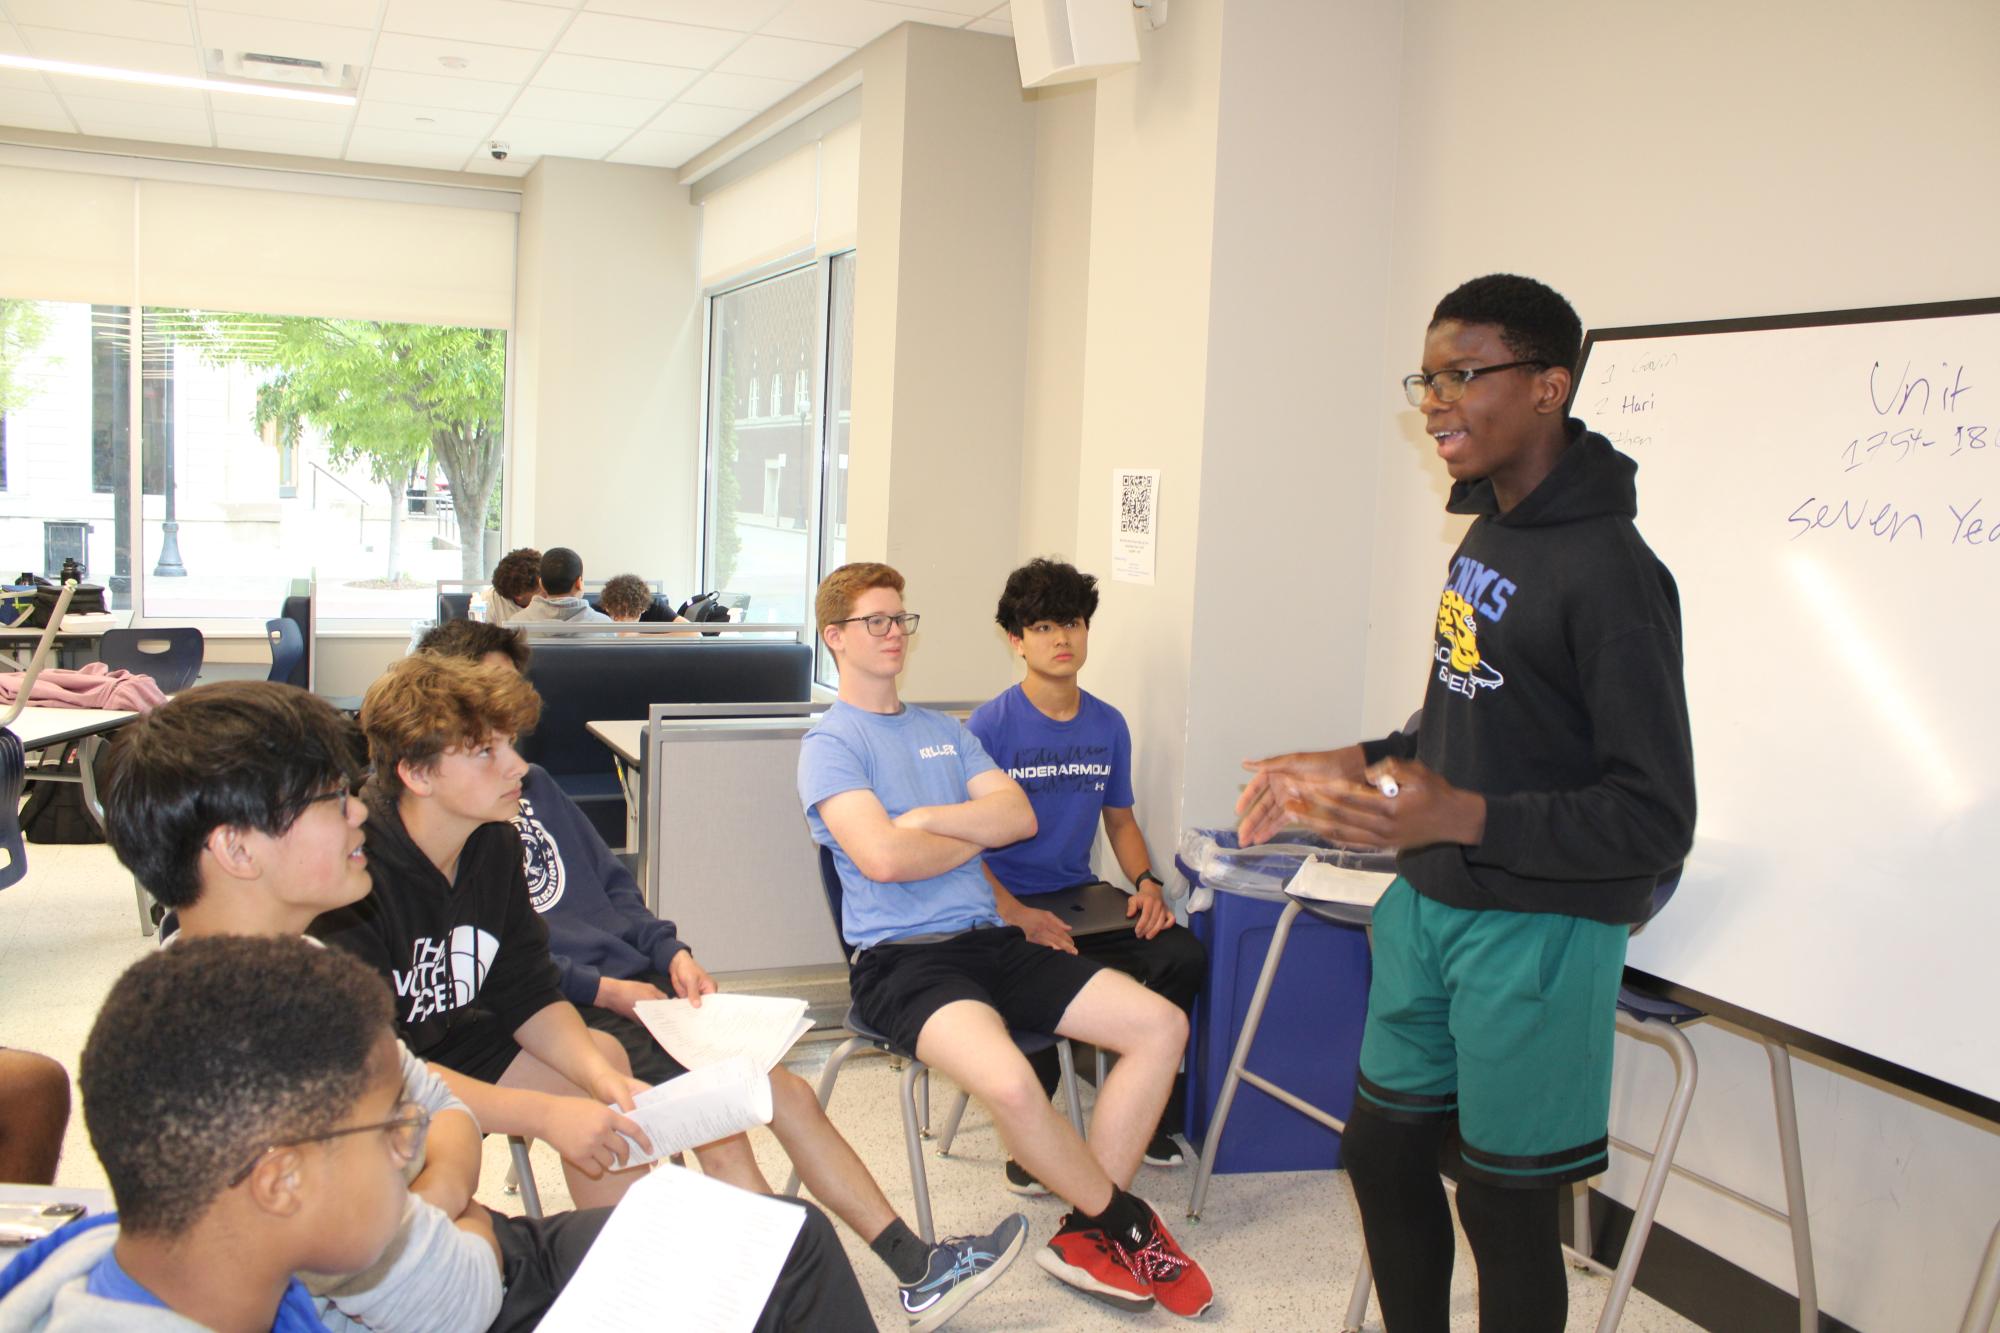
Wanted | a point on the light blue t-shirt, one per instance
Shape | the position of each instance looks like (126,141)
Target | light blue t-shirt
(908,759)
(1070,770)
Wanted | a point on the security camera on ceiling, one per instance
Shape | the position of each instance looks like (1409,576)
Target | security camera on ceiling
(1068,41)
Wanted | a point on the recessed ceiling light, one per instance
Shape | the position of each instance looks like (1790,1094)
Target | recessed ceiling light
(452,62)
(74,70)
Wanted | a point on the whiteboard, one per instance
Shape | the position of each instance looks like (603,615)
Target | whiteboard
(1826,490)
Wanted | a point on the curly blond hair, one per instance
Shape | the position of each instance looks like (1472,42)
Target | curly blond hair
(427,704)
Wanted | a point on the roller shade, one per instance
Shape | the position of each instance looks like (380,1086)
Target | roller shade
(761,218)
(281,253)
(65,237)
(839,188)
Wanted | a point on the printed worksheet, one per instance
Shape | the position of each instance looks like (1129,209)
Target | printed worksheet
(699,1107)
(681,1250)
(1338,884)
(761,1027)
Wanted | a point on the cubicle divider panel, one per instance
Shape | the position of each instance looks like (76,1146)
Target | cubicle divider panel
(733,864)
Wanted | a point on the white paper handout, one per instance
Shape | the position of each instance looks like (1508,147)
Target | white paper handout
(1338,884)
(700,1107)
(680,1250)
(762,1027)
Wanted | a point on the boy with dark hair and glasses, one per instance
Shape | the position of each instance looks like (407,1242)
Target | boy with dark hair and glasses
(245,1098)
(907,800)
(1548,785)
(1072,753)
(232,804)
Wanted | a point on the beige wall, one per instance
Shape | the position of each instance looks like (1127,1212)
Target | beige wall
(1058,292)
(1145,355)
(607,370)
(941,319)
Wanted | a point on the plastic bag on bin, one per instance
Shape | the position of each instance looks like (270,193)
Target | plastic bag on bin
(1214,860)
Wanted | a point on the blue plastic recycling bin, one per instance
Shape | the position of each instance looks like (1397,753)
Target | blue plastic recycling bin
(1310,1039)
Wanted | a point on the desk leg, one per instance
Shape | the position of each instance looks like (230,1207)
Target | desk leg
(1985,1297)
(1795,1183)
(1212,1140)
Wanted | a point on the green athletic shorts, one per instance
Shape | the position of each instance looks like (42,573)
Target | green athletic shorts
(1504,1019)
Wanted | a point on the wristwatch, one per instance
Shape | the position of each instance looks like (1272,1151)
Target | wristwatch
(1144,875)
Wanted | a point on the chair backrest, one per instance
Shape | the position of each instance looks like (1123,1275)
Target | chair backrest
(13,776)
(454,606)
(170,654)
(829,882)
(288,651)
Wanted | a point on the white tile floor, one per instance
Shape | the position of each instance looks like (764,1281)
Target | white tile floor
(1280,1248)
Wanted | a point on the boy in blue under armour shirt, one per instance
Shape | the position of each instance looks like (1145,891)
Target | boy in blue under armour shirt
(1072,753)
(907,800)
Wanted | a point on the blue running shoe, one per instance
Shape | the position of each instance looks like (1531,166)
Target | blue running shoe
(961,1267)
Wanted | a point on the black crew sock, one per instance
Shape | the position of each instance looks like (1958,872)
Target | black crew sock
(1126,1219)
(905,1253)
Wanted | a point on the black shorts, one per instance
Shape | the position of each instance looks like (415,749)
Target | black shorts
(480,1049)
(897,987)
(650,1061)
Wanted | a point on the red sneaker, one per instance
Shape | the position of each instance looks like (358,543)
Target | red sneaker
(1083,1256)
(1178,1283)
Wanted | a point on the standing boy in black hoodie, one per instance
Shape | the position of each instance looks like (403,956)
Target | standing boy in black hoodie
(1550,783)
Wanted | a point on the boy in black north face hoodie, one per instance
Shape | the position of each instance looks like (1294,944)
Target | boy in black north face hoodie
(1549,784)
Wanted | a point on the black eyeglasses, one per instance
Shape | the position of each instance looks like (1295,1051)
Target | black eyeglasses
(406,1138)
(352,791)
(878,624)
(1449,385)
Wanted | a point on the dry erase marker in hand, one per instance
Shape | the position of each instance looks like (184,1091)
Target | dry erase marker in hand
(1386,785)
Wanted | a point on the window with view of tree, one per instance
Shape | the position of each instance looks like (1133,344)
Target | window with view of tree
(365,454)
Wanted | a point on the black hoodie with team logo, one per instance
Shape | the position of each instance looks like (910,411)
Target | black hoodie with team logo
(468,959)
(1556,693)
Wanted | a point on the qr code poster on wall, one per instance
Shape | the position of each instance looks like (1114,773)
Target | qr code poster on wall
(1135,525)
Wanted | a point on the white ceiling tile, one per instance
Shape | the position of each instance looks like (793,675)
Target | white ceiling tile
(390,85)
(965,9)
(146,20)
(421,55)
(26,79)
(655,148)
(620,78)
(107,91)
(424,120)
(254,143)
(585,108)
(848,22)
(11,43)
(127,120)
(276,108)
(501,22)
(783,58)
(286,37)
(616,37)
(301,136)
(345,13)
(446,151)
(734,15)
(737,90)
(998,27)
(712,121)
(117,52)
(29,110)
(533,137)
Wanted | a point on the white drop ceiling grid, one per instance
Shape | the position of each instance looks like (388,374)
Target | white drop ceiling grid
(649,82)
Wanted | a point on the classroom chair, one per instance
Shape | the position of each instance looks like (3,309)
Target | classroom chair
(13,777)
(521,1177)
(288,648)
(170,654)
(916,1075)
